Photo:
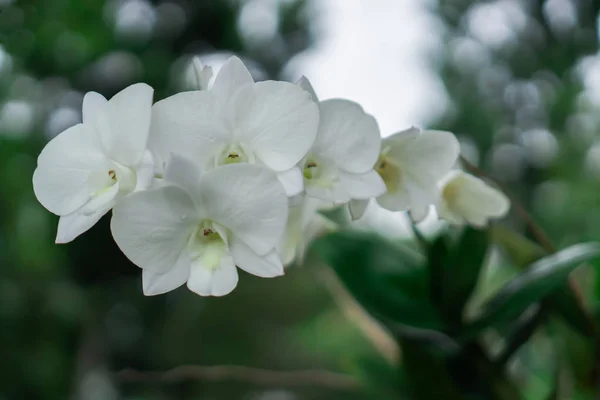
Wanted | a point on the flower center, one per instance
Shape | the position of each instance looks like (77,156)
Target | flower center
(208,246)
(451,191)
(311,169)
(390,173)
(233,154)
(101,181)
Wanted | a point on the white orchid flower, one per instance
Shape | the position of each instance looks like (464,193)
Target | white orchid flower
(202,73)
(411,163)
(239,121)
(303,224)
(466,199)
(200,226)
(85,170)
(339,166)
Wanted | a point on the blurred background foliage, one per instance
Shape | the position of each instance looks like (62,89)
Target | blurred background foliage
(523,82)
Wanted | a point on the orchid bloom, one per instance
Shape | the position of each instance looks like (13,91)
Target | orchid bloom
(411,163)
(339,166)
(466,199)
(200,225)
(239,121)
(85,170)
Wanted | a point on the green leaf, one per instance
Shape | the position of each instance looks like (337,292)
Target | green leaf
(542,278)
(454,272)
(520,250)
(389,282)
(563,301)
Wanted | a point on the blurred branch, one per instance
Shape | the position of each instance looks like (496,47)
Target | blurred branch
(256,376)
(372,329)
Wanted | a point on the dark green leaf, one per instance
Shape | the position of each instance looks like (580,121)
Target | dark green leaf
(438,254)
(454,272)
(420,363)
(542,278)
(564,303)
(388,281)
(521,332)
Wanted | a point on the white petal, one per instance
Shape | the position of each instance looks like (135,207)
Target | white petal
(419,213)
(266,266)
(319,192)
(402,137)
(444,212)
(218,282)
(296,199)
(292,181)
(476,201)
(188,124)
(145,172)
(154,284)
(357,208)
(348,135)
(60,181)
(72,225)
(153,227)
(277,120)
(422,190)
(129,114)
(398,200)
(362,186)
(184,173)
(248,200)
(202,73)
(305,84)
(431,154)
(232,76)
(288,255)
(339,193)
(94,111)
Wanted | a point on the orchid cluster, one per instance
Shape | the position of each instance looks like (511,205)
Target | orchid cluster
(232,175)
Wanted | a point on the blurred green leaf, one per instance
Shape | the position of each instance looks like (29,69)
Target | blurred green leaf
(455,271)
(542,278)
(520,250)
(563,302)
(390,283)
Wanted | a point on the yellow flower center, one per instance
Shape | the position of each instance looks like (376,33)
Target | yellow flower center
(233,154)
(390,173)
(311,169)
(451,191)
(208,247)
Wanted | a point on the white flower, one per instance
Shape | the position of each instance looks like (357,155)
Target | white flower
(411,163)
(200,226)
(202,73)
(84,170)
(467,199)
(237,120)
(339,166)
(303,224)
